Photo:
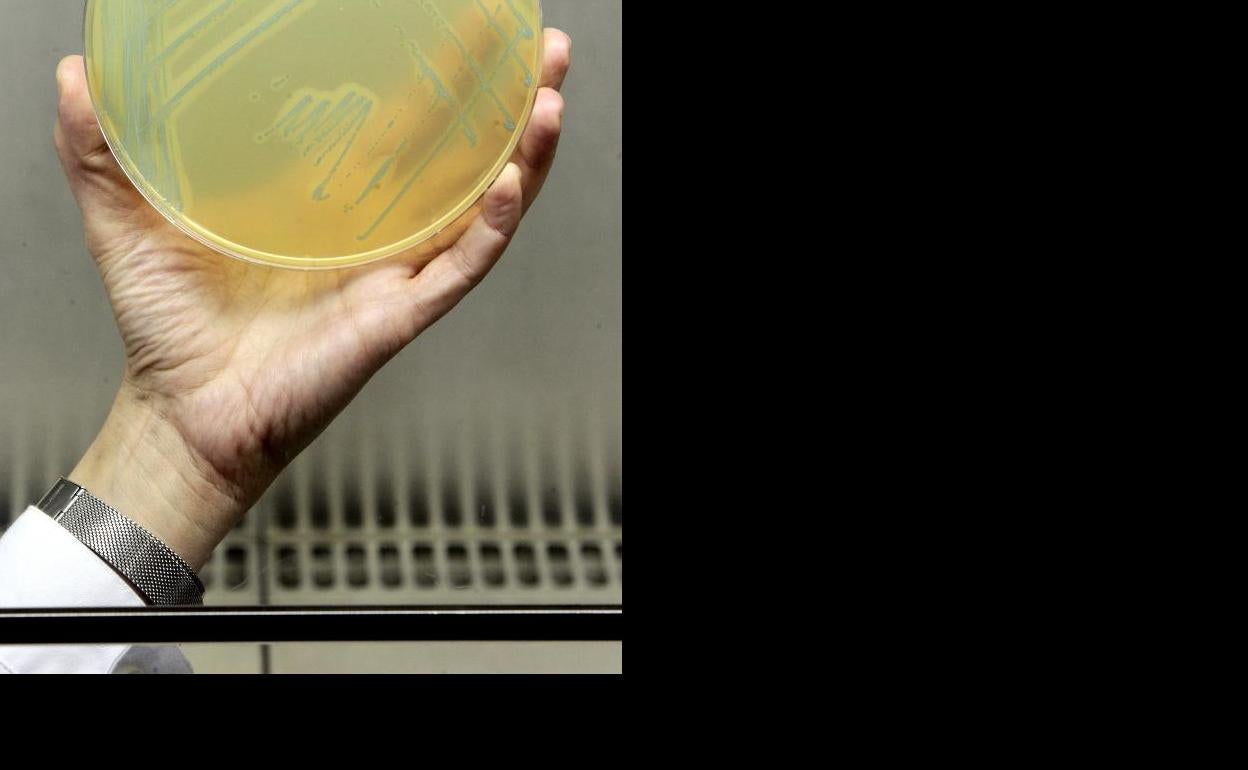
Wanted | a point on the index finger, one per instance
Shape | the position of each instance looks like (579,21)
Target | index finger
(558,57)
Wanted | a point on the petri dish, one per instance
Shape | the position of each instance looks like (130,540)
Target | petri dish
(313,133)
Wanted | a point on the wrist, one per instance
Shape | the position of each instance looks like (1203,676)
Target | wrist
(140,465)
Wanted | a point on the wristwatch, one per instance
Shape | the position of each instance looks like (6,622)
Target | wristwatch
(155,572)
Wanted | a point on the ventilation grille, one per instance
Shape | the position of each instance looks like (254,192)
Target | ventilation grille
(527,515)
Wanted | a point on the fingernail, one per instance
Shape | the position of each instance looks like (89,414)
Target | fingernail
(510,175)
(509,181)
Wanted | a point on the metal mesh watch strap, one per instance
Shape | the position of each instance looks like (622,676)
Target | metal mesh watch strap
(158,574)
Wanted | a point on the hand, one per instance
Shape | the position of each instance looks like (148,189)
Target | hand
(232,369)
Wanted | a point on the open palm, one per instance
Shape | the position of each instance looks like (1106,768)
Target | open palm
(244,365)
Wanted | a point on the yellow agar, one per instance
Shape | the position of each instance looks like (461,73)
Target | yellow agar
(313,133)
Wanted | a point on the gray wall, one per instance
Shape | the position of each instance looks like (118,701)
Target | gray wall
(539,344)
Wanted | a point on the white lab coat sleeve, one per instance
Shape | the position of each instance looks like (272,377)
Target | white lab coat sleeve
(43,566)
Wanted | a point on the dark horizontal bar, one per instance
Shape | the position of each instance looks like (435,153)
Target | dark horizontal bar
(189,625)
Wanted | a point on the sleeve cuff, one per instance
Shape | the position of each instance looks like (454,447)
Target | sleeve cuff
(44,566)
